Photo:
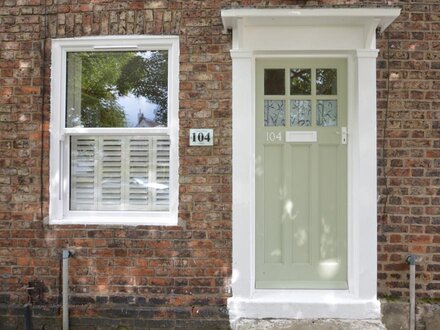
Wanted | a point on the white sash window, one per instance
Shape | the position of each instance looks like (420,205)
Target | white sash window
(114,130)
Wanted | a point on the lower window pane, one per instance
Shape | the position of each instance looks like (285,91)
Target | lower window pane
(126,173)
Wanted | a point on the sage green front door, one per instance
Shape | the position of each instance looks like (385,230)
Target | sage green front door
(301,174)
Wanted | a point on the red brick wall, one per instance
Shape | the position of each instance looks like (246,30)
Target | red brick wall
(168,276)
(182,274)
(409,164)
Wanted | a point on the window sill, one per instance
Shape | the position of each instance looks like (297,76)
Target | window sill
(164,219)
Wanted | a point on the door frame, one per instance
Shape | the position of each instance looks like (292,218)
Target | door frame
(321,33)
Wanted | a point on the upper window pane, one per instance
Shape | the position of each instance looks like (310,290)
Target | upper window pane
(117,89)
(326,82)
(300,81)
(274,83)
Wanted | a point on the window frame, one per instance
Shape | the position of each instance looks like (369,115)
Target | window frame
(59,187)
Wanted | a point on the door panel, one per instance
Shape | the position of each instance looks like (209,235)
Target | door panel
(273,238)
(300,158)
(301,180)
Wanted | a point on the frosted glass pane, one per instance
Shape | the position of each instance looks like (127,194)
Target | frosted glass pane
(274,112)
(274,83)
(300,113)
(300,81)
(326,82)
(327,113)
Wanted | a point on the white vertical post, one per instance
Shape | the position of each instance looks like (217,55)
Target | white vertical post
(367,170)
(243,171)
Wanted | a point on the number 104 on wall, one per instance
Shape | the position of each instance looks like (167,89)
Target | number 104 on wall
(201,137)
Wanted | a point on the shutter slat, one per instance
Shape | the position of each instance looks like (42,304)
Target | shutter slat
(139,172)
(162,173)
(83,173)
(111,167)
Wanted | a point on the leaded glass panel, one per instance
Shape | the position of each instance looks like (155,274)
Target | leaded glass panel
(327,113)
(300,113)
(274,112)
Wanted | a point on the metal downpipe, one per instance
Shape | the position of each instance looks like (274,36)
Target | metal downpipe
(411,260)
(66,256)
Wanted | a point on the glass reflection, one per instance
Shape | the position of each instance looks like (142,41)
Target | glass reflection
(117,89)
(300,81)
(274,83)
(326,82)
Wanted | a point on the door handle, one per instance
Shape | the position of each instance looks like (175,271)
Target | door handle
(343,135)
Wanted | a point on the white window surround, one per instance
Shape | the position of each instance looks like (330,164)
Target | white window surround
(307,33)
(59,213)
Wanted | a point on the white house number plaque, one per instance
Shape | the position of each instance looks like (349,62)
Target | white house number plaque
(201,137)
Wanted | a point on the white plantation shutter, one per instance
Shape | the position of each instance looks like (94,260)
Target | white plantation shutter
(139,172)
(110,173)
(83,173)
(162,149)
(120,173)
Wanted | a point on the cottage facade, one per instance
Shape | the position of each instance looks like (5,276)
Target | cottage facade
(286,165)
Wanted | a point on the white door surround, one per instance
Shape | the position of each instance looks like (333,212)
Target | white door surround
(307,33)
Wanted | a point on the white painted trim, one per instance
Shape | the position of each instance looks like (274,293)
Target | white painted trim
(256,34)
(59,212)
(301,16)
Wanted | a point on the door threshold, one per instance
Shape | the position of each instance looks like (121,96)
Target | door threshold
(302,306)
(318,324)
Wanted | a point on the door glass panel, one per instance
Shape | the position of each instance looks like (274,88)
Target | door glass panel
(274,83)
(327,113)
(300,81)
(274,112)
(300,113)
(326,82)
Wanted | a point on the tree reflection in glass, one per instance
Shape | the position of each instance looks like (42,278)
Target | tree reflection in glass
(117,89)
(326,82)
(300,81)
